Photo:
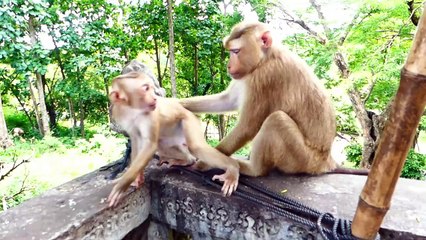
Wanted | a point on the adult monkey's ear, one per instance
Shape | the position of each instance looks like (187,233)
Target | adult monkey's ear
(266,38)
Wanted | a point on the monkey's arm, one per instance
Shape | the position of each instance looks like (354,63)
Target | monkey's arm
(244,131)
(225,101)
(235,140)
(136,167)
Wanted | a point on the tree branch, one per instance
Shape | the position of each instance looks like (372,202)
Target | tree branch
(366,124)
(360,110)
(320,16)
(340,61)
(167,63)
(370,89)
(21,189)
(15,165)
(288,17)
(384,50)
(414,19)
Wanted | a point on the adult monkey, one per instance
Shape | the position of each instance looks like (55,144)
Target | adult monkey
(132,66)
(283,107)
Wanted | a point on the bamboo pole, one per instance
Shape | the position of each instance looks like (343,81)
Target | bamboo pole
(396,140)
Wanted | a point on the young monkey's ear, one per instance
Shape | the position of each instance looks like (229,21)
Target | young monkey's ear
(115,96)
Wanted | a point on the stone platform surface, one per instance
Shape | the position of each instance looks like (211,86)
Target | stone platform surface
(78,209)
(177,197)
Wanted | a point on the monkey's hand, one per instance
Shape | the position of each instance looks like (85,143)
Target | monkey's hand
(117,193)
(230,181)
(140,179)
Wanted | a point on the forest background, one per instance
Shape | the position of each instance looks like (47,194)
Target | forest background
(57,60)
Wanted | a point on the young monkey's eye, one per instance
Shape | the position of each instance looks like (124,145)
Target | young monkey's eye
(145,87)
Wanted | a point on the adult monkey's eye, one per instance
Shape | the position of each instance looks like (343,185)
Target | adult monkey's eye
(235,51)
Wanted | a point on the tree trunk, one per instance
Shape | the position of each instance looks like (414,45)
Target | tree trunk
(171,47)
(400,128)
(45,131)
(5,141)
(34,100)
(44,122)
(195,70)
(367,128)
(50,105)
(221,127)
(157,58)
(222,74)
(412,9)
(206,130)
(82,116)
(73,118)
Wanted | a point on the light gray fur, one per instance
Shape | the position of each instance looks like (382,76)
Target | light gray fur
(136,66)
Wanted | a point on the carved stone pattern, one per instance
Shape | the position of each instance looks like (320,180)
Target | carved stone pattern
(116,222)
(217,216)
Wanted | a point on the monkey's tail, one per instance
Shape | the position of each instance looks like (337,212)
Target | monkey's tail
(343,170)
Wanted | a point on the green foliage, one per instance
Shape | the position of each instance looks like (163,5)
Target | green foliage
(34,147)
(422,124)
(94,39)
(318,56)
(31,189)
(53,161)
(385,37)
(354,153)
(414,168)
(17,119)
(346,119)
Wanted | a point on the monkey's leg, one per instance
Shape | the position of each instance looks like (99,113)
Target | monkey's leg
(169,162)
(209,155)
(182,152)
(279,143)
(176,155)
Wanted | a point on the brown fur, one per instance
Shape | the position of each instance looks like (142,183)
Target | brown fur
(161,124)
(285,110)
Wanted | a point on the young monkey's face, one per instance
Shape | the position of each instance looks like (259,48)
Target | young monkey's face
(133,92)
(148,99)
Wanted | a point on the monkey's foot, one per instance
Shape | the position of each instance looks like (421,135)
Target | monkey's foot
(140,179)
(175,162)
(200,166)
(230,181)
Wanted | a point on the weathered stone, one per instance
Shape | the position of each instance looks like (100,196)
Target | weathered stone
(157,231)
(187,205)
(76,210)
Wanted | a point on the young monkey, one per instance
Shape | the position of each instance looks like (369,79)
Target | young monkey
(161,124)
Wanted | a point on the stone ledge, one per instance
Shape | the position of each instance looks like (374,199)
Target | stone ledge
(76,210)
(185,204)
